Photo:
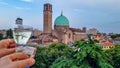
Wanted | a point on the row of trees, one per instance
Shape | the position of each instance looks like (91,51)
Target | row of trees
(115,36)
(82,55)
(9,34)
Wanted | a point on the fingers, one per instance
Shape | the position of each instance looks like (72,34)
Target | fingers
(17,60)
(11,46)
(24,63)
(18,56)
(7,47)
(5,51)
(11,41)
(6,43)
(23,60)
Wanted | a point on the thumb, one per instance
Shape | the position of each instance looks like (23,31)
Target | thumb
(23,63)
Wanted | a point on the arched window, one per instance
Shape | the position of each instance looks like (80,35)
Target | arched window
(69,36)
(45,8)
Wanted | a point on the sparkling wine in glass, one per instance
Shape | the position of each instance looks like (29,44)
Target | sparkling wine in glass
(21,36)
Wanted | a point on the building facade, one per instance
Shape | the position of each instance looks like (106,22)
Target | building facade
(4,32)
(62,32)
(93,31)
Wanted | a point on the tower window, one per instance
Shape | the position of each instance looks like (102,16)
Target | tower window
(44,8)
(69,36)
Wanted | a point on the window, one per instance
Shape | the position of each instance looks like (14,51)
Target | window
(69,36)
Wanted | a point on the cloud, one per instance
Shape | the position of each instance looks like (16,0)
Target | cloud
(95,2)
(28,0)
(86,2)
(21,8)
(17,7)
(105,6)
(78,10)
(3,3)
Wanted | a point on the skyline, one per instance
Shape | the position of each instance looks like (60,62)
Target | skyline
(100,14)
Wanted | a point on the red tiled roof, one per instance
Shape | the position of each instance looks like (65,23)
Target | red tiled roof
(107,43)
(118,38)
(76,30)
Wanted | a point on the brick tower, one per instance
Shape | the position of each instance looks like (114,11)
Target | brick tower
(47,29)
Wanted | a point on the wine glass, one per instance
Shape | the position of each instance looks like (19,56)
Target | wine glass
(21,35)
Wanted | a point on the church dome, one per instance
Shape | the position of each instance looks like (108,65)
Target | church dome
(61,21)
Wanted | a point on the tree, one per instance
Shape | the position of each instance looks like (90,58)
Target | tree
(9,33)
(45,56)
(115,36)
(1,36)
(114,55)
(85,55)
(89,55)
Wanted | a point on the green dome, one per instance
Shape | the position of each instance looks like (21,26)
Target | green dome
(61,21)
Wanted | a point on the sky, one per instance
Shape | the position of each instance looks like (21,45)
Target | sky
(103,15)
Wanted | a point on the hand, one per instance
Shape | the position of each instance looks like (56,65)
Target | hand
(16,60)
(7,47)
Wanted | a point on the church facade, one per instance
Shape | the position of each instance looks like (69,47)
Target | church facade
(62,31)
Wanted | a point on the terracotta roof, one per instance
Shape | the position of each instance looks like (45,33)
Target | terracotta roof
(107,43)
(76,30)
(48,40)
(100,37)
(117,39)
(35,40)
(97,38)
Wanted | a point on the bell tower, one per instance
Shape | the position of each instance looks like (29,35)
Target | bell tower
(47,29)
